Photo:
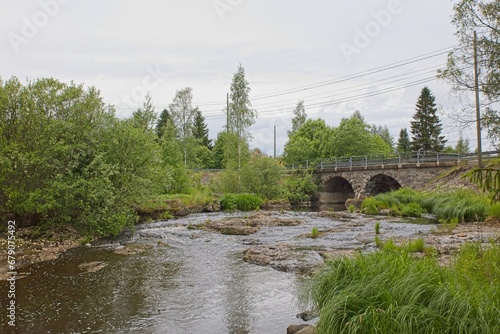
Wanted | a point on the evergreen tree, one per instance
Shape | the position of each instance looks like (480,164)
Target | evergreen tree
(165,117)
(384,133)
(299,117)
(200,130)
(426,126)
(404,144)
(462,145)
(145,117)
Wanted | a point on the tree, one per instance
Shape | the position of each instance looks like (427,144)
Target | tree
(164,118)
(299,117)
(240,116)
(384,133)
(306,143)
(262,176)
(183,114)
(462,145)
(480,16)
(145,117)
(200,130)
(353,138)
(66,159)
(404,144)
(426,126)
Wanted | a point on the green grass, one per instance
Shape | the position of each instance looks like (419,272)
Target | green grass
(392,291)
(494,211)
(460,204)
(370,206)
(314,232)
(377,228)
(242,202)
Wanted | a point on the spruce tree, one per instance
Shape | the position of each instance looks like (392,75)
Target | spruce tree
(426,127)
(200,129)
(404,144)
(164,118)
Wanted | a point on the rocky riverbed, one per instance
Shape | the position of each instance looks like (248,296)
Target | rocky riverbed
(213,272)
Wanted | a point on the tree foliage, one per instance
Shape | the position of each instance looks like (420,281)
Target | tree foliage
(480,16)
(404,143)
(162,121)
(200,130)
(240,114)
(183,115)
(488,179)
(306,142)
(426,126)
(66,158)
(299,117)
(353,138)
(384,133)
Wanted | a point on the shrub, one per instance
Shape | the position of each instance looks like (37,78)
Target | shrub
(369,206)
(229,202)
(300,185)
(352,208)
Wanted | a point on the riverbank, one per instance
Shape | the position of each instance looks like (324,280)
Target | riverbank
(31,247)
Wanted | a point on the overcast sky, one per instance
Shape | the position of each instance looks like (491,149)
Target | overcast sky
(338,56)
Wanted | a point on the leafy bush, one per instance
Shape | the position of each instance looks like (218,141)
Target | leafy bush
(300,185)
(229,202)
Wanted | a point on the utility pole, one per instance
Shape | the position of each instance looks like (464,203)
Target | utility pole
(275,142)
(478,110)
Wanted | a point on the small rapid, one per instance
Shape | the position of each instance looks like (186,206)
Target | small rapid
(188,280)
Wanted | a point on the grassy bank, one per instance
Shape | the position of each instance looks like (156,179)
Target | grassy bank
(460,205)
(393,291)
(169,206)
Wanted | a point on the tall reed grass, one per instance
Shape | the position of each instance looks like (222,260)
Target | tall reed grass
(460,204)
(242,202)
(392,291)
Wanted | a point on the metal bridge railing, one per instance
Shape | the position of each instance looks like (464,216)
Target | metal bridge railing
(391,159)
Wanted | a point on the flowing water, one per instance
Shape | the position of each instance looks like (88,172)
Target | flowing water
(189,281)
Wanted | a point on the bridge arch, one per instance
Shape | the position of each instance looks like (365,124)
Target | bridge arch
(381,183)
(336,190)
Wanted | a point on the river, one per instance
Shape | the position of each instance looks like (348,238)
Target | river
(188,281)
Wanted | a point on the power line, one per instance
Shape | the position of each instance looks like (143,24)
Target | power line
(320,84)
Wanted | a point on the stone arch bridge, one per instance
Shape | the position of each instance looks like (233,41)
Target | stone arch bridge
(340,183)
